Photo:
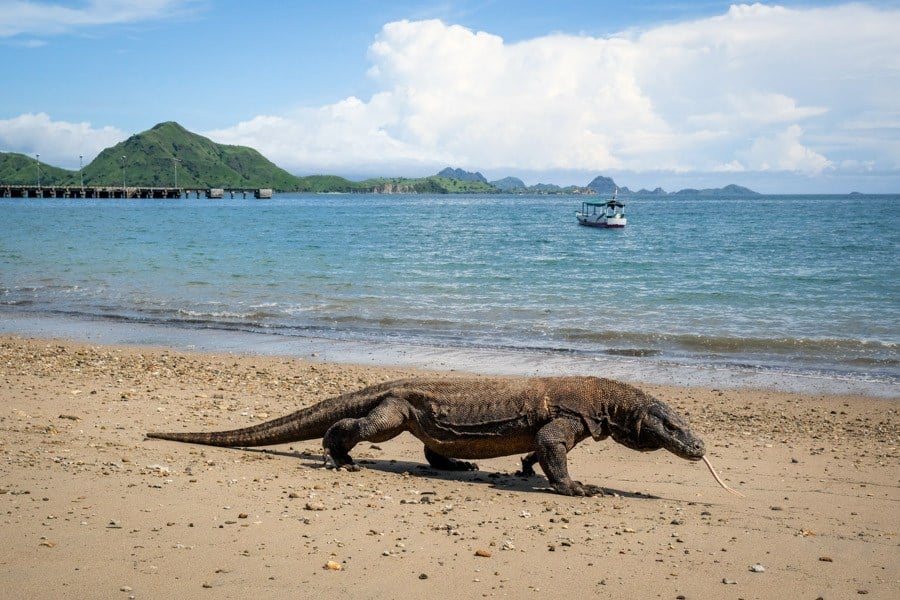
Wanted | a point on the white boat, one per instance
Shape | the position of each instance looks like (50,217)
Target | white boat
(608,214)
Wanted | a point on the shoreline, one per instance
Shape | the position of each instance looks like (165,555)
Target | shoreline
(487,361)
(93,509)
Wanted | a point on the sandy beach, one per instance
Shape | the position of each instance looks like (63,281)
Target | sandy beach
(92,509)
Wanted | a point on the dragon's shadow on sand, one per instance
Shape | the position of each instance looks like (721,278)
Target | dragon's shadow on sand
(501,481)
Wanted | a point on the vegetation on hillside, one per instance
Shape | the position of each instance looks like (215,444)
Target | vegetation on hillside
(425,185)
(19,169)
(157,156)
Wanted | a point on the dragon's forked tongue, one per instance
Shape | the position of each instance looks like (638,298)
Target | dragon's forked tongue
(719,479)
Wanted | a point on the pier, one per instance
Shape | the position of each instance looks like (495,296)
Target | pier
(75,191)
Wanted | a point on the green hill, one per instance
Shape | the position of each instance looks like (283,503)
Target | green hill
(731,190)
(152,157)
(509,184)
(19,169)
(461,186)
(435,184)
(326,184)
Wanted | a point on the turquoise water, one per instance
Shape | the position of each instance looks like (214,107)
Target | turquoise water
(805,284)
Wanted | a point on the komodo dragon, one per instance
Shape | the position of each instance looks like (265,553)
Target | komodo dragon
(459,418)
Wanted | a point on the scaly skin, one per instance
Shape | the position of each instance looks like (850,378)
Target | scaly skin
(479,418)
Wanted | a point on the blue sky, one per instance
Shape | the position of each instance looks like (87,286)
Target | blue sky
(788,97)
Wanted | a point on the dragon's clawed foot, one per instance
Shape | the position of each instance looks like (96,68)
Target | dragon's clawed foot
(527,469)
(446,463)
(333,461)
(576,488)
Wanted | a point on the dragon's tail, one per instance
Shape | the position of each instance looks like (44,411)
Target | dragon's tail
(304,424)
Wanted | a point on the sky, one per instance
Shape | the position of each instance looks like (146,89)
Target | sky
(793,97)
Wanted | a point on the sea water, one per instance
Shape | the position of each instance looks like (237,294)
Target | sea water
(807,285)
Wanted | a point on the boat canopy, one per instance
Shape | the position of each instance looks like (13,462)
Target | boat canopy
(607,204)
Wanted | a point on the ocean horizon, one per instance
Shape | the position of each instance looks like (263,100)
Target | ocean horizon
(763,287)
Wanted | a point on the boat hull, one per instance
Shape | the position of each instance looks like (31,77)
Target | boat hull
(603,223)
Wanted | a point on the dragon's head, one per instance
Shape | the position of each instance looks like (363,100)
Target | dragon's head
(655,426)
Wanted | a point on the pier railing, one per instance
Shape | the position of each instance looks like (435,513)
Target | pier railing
(74,191)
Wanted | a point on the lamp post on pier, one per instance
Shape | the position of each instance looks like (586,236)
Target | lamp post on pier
(124,192)
(38,158)
(175,162)
(81,171)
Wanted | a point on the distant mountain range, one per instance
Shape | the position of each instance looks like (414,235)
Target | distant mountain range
(168,155)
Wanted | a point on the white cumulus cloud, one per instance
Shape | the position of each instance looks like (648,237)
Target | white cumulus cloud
(451,95)
(758,88)
(58,142)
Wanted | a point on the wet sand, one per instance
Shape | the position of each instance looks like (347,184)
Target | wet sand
(90,508)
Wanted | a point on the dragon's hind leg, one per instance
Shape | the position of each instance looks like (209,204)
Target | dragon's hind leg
(385,421)
(445,463)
